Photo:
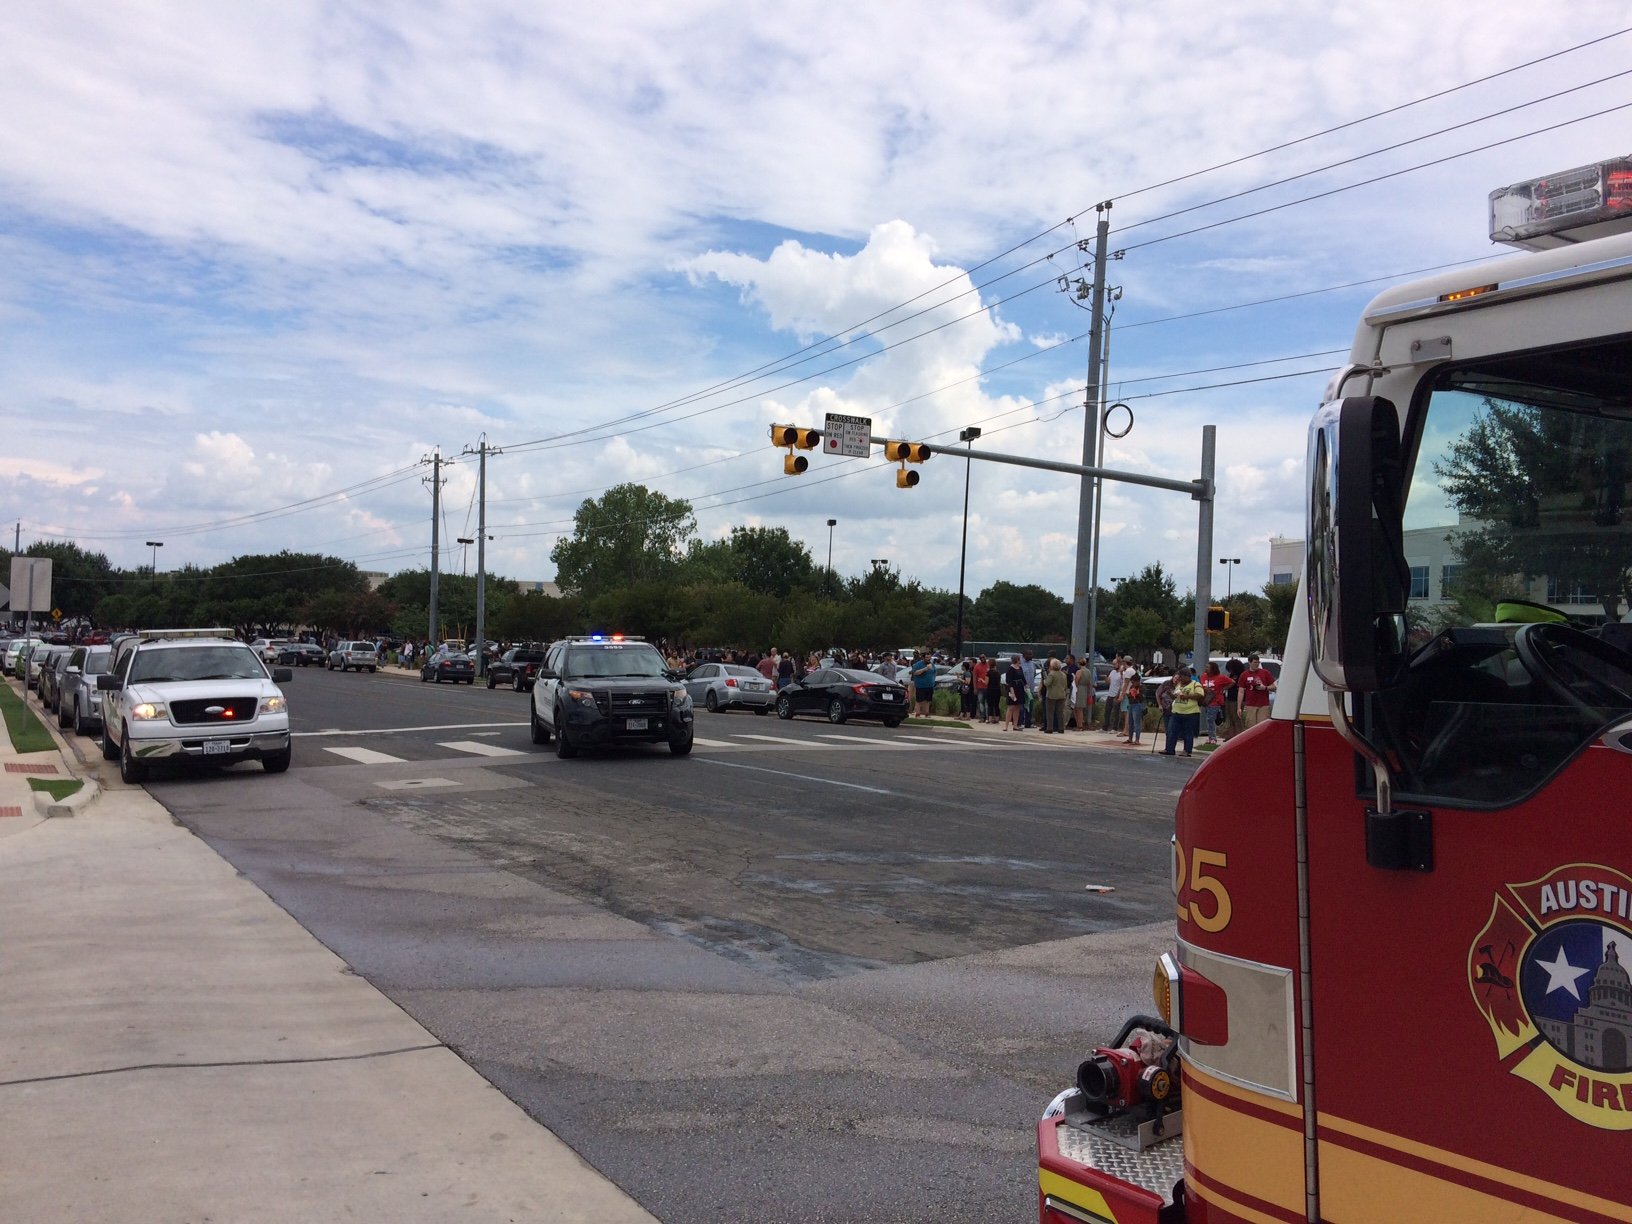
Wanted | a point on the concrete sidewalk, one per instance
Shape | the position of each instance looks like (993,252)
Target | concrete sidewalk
(174,1047)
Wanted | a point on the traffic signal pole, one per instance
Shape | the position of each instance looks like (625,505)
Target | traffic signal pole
(1093,440)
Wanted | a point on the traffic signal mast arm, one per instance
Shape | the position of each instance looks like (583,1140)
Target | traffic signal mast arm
(1199,490)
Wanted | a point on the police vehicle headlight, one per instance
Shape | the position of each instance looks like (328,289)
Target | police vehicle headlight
(147,711)
(273,705)
(679,698)
(583,695)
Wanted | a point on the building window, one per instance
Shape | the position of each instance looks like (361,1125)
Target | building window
(1564,591)
(1449,576)
(1281,579)
(1419,582)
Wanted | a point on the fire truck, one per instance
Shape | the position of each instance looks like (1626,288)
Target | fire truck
(1400,986)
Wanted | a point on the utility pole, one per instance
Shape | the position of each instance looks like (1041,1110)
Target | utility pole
(481,558)
(1204,547)
(436,542)
(967,437)
(1092,440)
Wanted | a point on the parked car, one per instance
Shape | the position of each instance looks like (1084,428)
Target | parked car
(79,706)
(840,693)
(359,655)
(14,650)
(42,672)
(37,657)
(719,686)
(302,654)
(517,667)
(267,648)
(445,664)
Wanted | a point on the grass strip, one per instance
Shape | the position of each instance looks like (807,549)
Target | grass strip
(28,734)
(58,788)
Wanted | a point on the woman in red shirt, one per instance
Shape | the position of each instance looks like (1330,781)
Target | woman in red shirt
(1218,686)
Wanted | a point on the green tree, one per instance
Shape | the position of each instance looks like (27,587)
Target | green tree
(629,535)
(79,579)
(536,617)
(1005,612)
(1281,599)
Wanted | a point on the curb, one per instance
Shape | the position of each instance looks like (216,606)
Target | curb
(87,794)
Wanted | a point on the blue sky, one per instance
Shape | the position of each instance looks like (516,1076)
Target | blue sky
(255,255)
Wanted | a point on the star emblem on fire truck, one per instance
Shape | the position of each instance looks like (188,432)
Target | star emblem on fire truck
(1549,974)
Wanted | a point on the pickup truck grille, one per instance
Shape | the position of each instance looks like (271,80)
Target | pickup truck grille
(199,711)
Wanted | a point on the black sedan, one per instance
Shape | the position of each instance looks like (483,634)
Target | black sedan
(302,654)
(448,665)
(840,693)
(517,667)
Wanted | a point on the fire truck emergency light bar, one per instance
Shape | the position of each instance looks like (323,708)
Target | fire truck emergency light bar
(1563,209)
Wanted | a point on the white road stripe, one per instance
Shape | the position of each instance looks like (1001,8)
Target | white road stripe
(400,730)
(776,739)
(872,790)
(713,743)
(478,749)
(366,756)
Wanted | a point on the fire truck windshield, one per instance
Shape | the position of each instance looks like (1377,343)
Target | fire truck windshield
(1518,510)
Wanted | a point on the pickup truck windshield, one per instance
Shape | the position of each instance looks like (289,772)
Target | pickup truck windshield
(159,664)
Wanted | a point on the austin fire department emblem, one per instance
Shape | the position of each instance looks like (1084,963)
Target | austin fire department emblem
(1549,972)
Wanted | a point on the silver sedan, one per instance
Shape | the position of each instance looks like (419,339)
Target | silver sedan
(719,686)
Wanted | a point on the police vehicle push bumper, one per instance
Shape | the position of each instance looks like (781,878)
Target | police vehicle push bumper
(601,718)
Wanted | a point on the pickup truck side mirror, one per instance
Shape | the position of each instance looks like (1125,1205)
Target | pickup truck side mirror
(282,675)
(545,673)
(1357,577)
(107,682)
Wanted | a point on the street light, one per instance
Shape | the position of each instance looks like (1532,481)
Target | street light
(155,545)
(464,553)
(1229,564)
(831,523)
(968,438)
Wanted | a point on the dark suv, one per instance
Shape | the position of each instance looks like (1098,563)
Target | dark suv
(600,692)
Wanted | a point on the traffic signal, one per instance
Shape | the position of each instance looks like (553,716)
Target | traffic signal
(906,452)
(791,436)
(906,478)
(1218,619)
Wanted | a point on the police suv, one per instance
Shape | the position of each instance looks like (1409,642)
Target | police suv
(601,691)
(197,693)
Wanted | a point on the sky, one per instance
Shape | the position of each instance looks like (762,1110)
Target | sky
(259,261)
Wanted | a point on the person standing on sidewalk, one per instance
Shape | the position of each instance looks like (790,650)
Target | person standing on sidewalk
(1113,696)
(1134,694)
(1188,696)
(1164,701)
(1218,687)
(1055,688)
(1028,668)
(1257,685)
(1082,699)
(923,683)
(1014,690)
(994,690)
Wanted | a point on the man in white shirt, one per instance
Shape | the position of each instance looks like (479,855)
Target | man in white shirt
(1114,698)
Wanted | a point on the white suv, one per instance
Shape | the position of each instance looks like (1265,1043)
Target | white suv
(196,693)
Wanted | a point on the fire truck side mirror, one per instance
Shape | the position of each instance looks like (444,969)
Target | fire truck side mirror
(1357,576)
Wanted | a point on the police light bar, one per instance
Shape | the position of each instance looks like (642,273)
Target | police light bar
(1566,208)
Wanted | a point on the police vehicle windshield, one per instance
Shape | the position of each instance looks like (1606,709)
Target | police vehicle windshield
(609,660)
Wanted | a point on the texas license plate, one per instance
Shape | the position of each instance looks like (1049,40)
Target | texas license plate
(217,747)
(634,724)
(886,696)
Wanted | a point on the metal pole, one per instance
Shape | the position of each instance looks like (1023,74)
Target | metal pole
(1090,438)
(436,545)
(1099,501)
(831,523)
(481,559)
(968,437)
(1204,546)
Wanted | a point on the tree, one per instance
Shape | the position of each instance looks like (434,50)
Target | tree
(1545,493)
(535,617)
(1005,612)
(79,579)
(1282,601)
(769,559)
(629,535)
(263,595)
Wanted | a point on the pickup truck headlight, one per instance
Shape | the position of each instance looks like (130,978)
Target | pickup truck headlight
(679,698)
(147,711)
(273,705)
(583,695)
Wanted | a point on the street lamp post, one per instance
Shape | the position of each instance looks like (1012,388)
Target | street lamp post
(1229,564)
(967,437)
(464,553)
(831,523)
(155,545)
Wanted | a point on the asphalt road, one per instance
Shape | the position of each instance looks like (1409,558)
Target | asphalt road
(808,973)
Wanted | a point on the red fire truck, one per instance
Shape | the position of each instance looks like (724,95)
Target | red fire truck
(1400,988)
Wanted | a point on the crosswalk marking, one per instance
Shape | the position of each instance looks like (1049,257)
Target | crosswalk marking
(366,756)
(713,743)
(776,739)
(476,749)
